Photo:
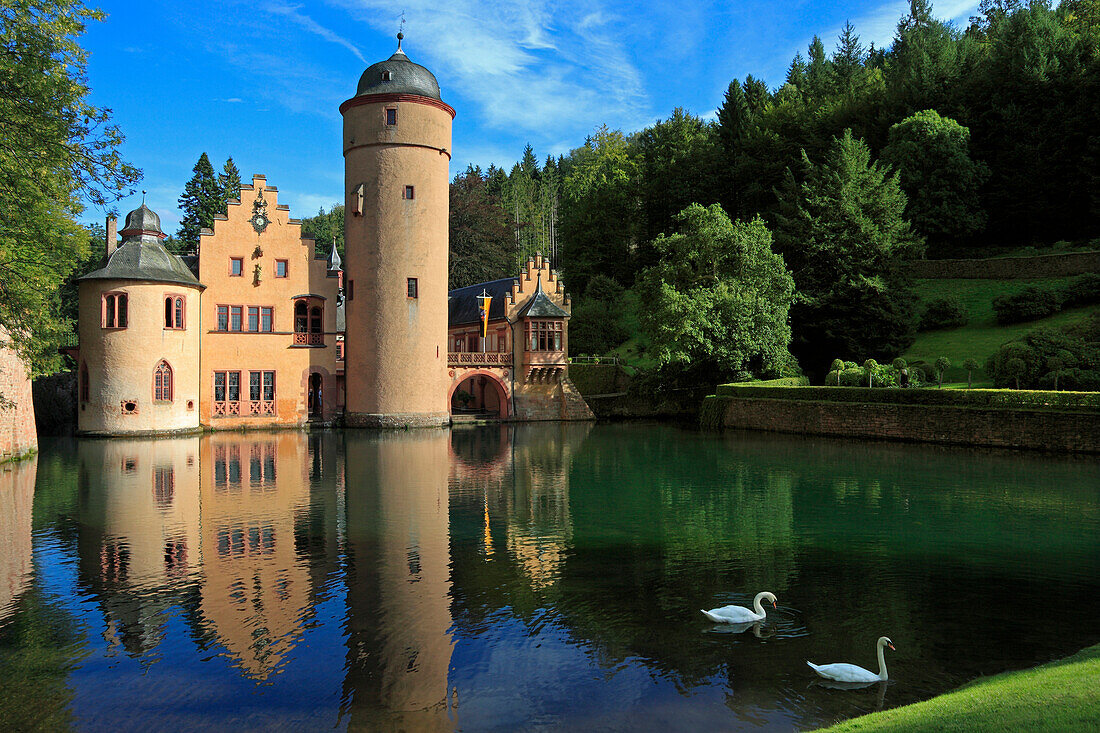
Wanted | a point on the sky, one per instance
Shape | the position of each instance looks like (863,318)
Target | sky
(262,81)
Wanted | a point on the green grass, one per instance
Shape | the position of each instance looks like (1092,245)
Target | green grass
(981,336)
(1059,696)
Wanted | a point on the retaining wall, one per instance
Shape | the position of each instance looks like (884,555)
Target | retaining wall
(1005,268)
(1052,430)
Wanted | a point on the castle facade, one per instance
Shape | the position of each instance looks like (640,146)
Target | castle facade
(259,330)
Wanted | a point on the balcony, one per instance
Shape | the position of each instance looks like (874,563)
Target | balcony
(475,358)
(301,338)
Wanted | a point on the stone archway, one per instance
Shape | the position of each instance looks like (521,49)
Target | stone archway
(479,392)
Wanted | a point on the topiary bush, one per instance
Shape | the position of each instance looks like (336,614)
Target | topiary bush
(1030,303)
(948,312)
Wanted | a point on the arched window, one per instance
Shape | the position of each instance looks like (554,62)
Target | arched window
(315,319)
(114,310)
(173,312)
(162,382)
(301,320)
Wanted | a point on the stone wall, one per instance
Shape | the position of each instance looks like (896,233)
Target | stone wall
(554,401)
(1053,430)
(17,432)
(1006,268)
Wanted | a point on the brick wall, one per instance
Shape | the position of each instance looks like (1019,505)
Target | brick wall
(17,433)
(1006,268)
(1051,430)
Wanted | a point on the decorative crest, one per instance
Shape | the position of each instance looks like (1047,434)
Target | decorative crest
(259,213)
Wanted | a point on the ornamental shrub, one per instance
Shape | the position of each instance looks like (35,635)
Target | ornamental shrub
(1030,303)
(1081,290)
(946,312)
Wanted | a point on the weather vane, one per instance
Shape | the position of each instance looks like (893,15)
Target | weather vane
(401,29)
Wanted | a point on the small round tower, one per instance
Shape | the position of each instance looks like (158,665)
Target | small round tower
(138,368)
(397,151)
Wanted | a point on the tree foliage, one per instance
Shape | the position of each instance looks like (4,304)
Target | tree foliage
(201,200)
(717,299)
(480,233)
(841,231)
(326,227)
(56,152)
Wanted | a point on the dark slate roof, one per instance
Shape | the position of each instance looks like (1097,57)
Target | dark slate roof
(462,303)
(540,306)
(142,260)
(141,219)
(405,77)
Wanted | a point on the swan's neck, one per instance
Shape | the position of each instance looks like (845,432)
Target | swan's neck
(882,662)
(756,604)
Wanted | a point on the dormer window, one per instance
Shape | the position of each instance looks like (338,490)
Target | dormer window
(387,76)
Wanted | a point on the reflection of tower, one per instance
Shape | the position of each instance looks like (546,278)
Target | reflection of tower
(16,502)
(138,531)
(397,140)
(399,646)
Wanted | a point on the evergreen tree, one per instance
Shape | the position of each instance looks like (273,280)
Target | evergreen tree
(326,227)
(796,72)
(200,201)
(480,235)
(848,60)
(841,231)
(733,118)
(820,77)
(229,183)
(757,94)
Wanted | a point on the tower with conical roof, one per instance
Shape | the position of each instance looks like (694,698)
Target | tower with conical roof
(397,150)
(139,336)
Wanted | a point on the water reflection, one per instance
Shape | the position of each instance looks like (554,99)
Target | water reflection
(523,576)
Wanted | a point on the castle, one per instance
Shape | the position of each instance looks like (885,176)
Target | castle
(257,330)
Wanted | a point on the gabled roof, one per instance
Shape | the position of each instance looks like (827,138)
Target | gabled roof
(540,306)
(462,302)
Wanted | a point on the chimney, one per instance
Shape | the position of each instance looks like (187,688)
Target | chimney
(112,235)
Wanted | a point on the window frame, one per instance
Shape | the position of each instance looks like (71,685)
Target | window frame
(286,268)
(412,288)
(236,261)
(409,193)
(388,117)
(175,312)
(544,335)
(119,310)
(163,383)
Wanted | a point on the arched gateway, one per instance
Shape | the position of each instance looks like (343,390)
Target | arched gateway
(479,392)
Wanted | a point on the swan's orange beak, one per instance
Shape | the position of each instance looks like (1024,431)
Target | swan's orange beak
(891,646)
(773,605)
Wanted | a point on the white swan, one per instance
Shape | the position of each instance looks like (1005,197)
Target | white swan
(740,614)
(842,672)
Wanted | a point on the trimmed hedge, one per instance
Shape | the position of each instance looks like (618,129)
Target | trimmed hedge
(997,398)
(1037,302)
(783,382)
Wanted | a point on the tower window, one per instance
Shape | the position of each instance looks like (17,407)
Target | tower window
(413,288)
(173,312)
(391,115)
(410,192)
(114,310)
(162,382)
(236,266)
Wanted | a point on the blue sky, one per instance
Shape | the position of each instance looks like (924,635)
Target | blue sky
(262,81)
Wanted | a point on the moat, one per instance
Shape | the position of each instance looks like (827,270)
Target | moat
(525,577)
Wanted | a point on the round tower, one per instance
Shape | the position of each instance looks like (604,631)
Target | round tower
(397,151)
(138,368)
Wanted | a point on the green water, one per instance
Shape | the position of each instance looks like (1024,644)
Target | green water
(533,577)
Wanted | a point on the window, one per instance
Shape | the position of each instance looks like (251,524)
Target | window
(114,310)
(235,317)
(85,390)
(413,288)
(227,393)
(387,75)
(223,318)
(410,192)
(502,340)
(280,268)
(236,266)
(391,115)
(173,312)
(261,393)
(267,318)
(162,382)
(253,318)
(339,351)
(544,335)
(308,324)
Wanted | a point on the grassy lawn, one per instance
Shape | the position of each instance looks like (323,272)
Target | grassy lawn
(981,336)
(1059,696)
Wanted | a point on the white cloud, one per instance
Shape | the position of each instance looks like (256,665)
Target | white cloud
(291,12)
(530,65)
